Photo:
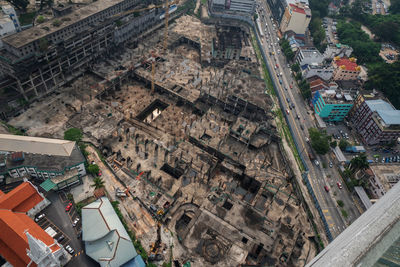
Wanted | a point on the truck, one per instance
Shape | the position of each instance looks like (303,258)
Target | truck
(355,149)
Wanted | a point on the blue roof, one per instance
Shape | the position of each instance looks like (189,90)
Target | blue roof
(390,117)
(379,104)
(135,262)
(385,110)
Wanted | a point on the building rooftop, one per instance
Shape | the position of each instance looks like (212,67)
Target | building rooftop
(370,240)
(23,198)
(36,145)
(37,32)
(46,162)
(14,224)
(385,110)
(106,240)
(347,64)
(297,9)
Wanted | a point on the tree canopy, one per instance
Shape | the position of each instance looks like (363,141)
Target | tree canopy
(365,50)
(343,144)
(386,78)
(73,134)
(359,163)
(319,140)
(93,169)
(97,183)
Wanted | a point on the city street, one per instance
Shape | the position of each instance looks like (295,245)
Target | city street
(300,119)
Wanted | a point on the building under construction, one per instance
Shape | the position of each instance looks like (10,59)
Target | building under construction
(40,59)
(192,137)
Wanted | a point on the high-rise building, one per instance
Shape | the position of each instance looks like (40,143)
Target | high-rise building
(331,105)
(296,18)
(375,120)
(245,6)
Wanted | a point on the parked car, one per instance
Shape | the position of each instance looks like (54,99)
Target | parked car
(330,164)
(339,185)
(38,218)
(287,111)
(75,221)
(326,188)
(69,249)
(69,206)
(60,238)
(316,162)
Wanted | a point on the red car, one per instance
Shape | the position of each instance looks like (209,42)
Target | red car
(339,185)
(291,86)
(100,173)
(69,206)
(326,188)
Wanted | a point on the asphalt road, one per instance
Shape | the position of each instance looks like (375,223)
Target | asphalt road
(56,213)
(319,177)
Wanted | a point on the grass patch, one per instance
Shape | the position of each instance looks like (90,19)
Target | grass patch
(267,78)
(12,129)
(27,18)
(344,213)
(284,129)
(204,2)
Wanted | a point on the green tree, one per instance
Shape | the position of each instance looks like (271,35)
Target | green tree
(73,134)
(386,78)
(319,140)
(343,144)
(40,19)
(340,203)
(93,169)
(295,67)
(344,213)
(98,182)
(359,163)
(333,144)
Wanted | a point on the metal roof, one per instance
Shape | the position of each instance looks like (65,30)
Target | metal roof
(363,196)
(106,240)
(390,117)
(36,145)
(48,185)
(378,104)
(385,110)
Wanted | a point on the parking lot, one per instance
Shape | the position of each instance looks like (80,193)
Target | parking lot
(376,154)
(61,220)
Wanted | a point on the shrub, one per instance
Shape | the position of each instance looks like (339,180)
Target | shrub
(73,134)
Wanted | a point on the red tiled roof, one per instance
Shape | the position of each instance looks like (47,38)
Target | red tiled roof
(349,65)
(23,198)
(13,240)
(297,9)
(317,82)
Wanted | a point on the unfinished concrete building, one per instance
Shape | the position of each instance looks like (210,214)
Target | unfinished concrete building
(195,142)
(38,60)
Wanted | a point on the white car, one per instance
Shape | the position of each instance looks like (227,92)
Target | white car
(69,249)
(75,222)
(316,162)
(41,216)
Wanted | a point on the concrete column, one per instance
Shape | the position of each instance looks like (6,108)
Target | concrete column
(21,90)
(33,85)
(44,82)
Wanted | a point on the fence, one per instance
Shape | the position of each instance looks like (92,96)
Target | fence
(249,21)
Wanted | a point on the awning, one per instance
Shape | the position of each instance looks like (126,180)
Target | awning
(48,185)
